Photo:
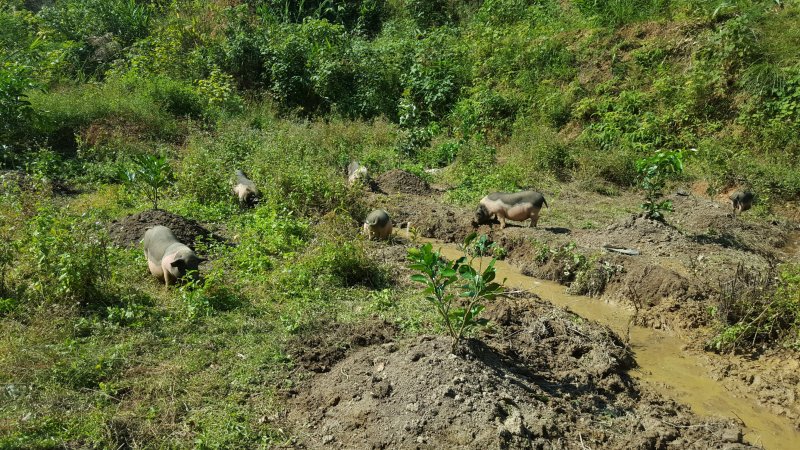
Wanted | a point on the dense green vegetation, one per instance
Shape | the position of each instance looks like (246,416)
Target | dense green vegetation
(504,94)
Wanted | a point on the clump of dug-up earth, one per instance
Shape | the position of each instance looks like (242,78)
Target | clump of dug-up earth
(128,232)
(545,379)
(399,181)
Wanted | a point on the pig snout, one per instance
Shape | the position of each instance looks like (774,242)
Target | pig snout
(481,216)
(179,266)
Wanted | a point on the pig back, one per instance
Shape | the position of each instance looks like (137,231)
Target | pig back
(378,218)
(156,242)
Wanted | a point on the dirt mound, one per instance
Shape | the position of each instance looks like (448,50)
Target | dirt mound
(128,232)
(399,181)
(429,216)
(320,351)
(545,380)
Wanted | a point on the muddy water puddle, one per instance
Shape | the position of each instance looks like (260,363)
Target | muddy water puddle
(663,364)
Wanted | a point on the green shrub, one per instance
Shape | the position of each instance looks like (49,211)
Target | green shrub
(433,82)
(207,167)
(269,232)
(308,192)
(654,171)
(218,94)
(177,98)
(68,110)
(205,295)
(15,109)
(150,174)
(540,150)
(476,173)
(68,258)
(483,246)
(458,310)
(755,310)
(340,263)
(360,15)
(486,112)
(104,27)
(428,13)
(618,12)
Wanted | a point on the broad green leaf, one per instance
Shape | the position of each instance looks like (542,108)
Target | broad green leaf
(470,237)
(419,278)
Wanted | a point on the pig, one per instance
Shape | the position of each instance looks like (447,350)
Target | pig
(742,201)
(355,173)
(378,224)
(517,206)
(167,258)
(245,189)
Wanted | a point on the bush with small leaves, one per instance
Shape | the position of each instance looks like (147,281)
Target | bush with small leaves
(151,174)
(458,305)
(653,173)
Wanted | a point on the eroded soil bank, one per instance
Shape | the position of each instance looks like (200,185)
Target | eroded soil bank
(674,281)
(662,360)
(542,378)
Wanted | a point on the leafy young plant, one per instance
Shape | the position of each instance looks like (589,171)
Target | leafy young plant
(150,174)
(483,246)
(455,288)
(653,173)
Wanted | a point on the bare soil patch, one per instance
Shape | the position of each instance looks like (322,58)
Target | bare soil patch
(129,231)
(428,215)
(398,181)
(320,351)
(675,280)
(545,379)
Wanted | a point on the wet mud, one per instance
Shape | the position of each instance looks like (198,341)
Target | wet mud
(668,288)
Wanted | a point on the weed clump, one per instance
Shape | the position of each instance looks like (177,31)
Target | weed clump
(756,309)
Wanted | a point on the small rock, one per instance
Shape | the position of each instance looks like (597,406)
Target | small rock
(334,401)
(413,407)
(327,439)
(732,435)
(416,356)
(381,390)
(390,347)
(513,425)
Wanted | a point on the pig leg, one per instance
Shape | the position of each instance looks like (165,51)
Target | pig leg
(154,268)
(534,218)
(367,231)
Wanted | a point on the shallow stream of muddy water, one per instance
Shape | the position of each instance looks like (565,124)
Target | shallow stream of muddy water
(663,363)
